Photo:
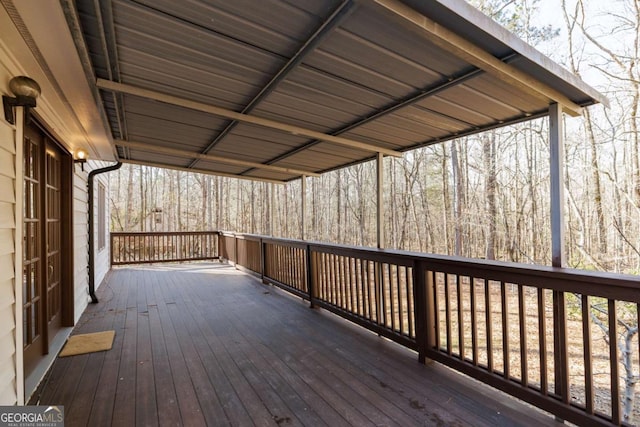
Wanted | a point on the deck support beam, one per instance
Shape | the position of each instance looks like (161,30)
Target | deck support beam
(556,161)
(240,117)
(208,157)
(468,51)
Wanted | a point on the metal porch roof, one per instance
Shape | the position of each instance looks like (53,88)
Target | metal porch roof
(274,89)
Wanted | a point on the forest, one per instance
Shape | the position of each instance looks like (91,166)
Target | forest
(482,196)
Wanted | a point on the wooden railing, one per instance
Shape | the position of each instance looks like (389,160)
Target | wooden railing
(144,248)
(560,339)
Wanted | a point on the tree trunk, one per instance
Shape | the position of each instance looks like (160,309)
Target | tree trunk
(489,155)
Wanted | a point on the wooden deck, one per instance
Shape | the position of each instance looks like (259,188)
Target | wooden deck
(204,344)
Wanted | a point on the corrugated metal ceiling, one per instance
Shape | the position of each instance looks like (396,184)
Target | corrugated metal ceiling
(358,69)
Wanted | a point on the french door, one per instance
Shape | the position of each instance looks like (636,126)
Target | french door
(47,281)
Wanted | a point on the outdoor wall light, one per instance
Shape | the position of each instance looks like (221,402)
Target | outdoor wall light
(26,90)
(80,156)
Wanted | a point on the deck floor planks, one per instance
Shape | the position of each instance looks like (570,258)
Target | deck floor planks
(381,373)
(104,397)
(190,412)
(124,408)
(218,348)
(358,392)
(283,401)
(88,386)
(338,384)
(264,405)
(396,408)
(226,376)
(145,392)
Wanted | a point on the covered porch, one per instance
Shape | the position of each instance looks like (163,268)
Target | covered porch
(204,343)
(290,91)
(226,346)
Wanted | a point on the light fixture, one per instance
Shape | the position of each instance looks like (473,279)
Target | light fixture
(80,156)
(26,90)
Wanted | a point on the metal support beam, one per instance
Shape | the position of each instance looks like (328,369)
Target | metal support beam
(336,17)
(556,160)
(208,157)
(272,208)
(380,205)
(303,208)
(196,170)
(468,51)
(230,114)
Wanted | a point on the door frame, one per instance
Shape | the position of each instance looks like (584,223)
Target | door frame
(66,237)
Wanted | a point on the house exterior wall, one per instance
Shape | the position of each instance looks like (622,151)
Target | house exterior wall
(80,236)
(102,258)
(23,52)
(8,232)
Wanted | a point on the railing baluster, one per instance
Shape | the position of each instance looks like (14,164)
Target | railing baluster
(341,284)
(474,320)
(433,325)
(337,295)
(524,363)
(387,275)
(460,317)
(447,310)
(310,285)
(542,339)
(359,289)
(367,286)
(613,360)
(352,292)
(505,330)
(398,302)
(489,324)
(372,275)
(560,364)
(411,312)
(586,346)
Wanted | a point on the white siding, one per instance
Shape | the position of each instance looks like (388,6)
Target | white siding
(80,242)
(102,257)
(76,121)
(80,236)
(8,369)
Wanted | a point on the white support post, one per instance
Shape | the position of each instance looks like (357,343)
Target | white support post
(556,159)
(272,208)
(303,208)
(380,207)
(381,314)
(18,259)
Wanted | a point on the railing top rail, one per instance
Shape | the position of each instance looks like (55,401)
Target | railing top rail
(242,236)
(163,233)
(624,287)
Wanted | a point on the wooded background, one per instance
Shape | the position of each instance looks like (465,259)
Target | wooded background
(484,196)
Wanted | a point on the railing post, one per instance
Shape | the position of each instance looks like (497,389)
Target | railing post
(217,245)
(430,308)
(381,317)
(560,360)
(262,259)
(420,309)
(235,250)
(311,285)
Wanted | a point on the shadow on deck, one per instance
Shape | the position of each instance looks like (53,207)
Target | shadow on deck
(204,344)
